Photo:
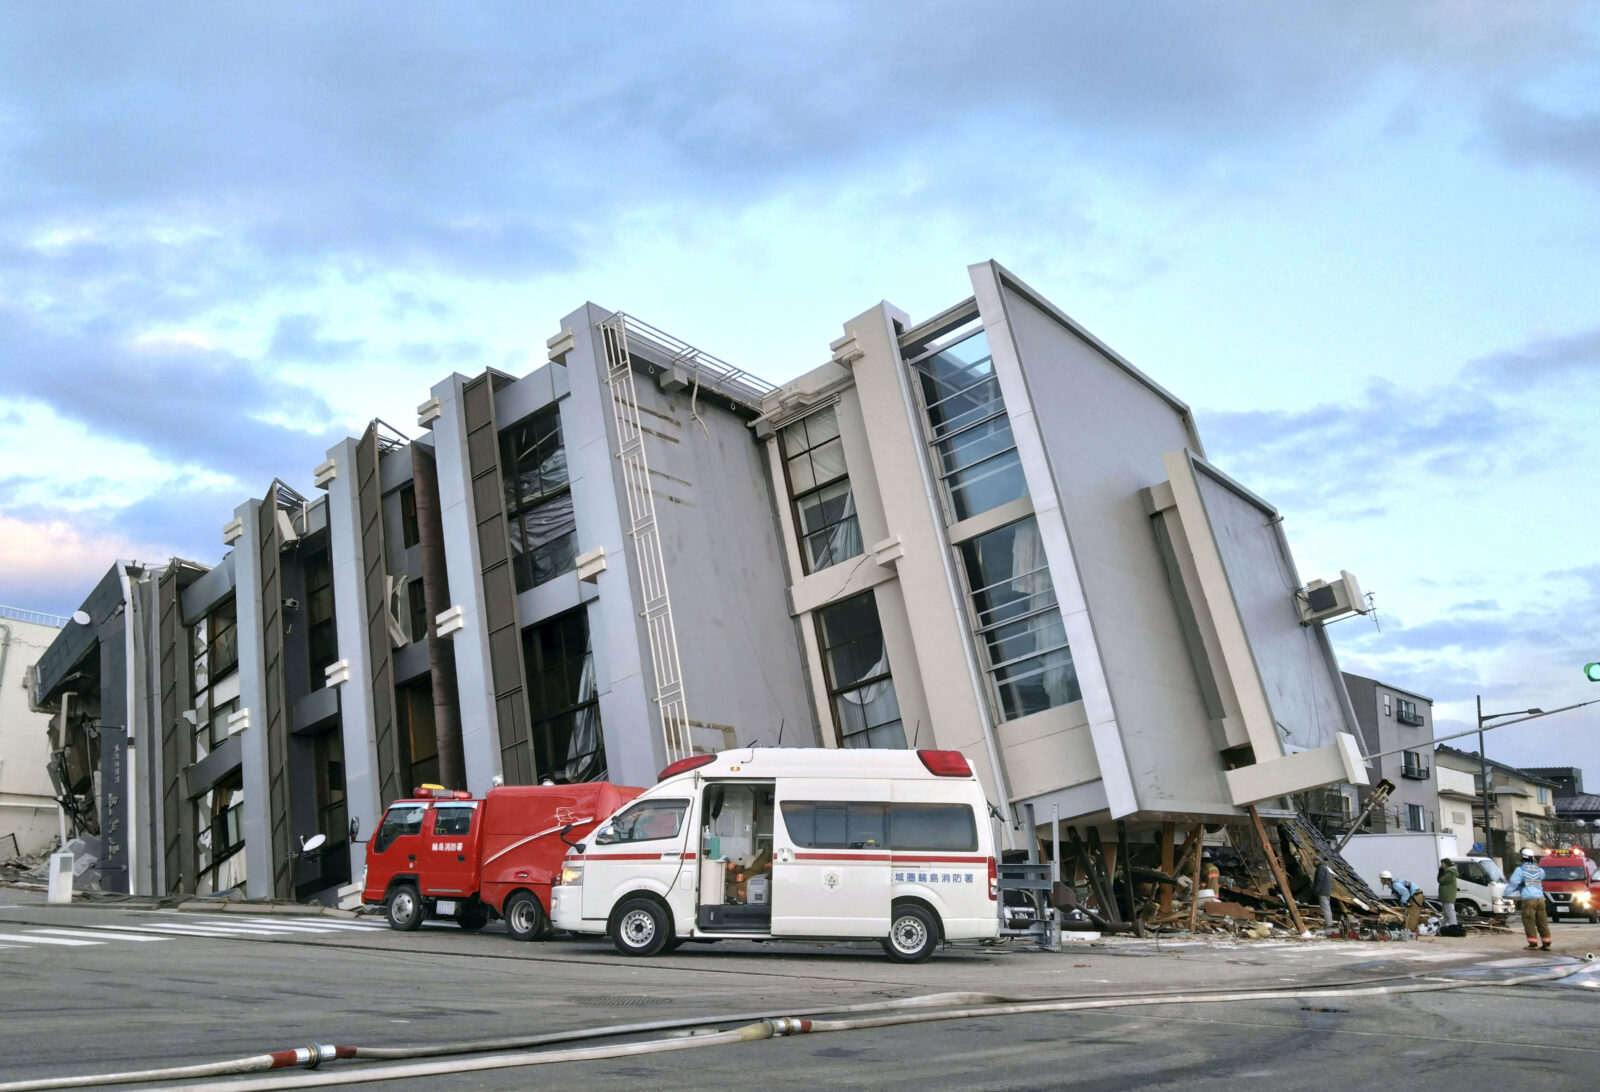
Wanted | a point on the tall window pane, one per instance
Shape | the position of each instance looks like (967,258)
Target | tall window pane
(565,704)
(856,665)
(1018,621)
(974,452)
(824,507)
(539,511)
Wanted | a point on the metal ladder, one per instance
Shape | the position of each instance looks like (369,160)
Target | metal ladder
(647,556)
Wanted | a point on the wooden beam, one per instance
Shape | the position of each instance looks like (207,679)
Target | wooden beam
(1166,866)
(1198,837)
(1105,893)
(1277,871)
(1127,878)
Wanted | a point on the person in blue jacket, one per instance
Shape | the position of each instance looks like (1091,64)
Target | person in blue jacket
(1410,897)
(1527,885)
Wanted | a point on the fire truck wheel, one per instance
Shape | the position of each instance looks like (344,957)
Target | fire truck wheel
(640,928)
(404,908)
(524,916)
(913,934)
(473,916)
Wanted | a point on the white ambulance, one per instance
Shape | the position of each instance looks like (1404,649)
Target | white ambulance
(762,844)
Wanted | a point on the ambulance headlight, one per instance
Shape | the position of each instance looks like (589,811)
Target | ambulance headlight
(571,873)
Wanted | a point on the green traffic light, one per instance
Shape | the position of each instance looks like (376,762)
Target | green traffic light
(1591,672)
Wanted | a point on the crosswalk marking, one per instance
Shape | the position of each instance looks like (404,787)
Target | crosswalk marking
(358,926)
(182,929)
(98,933)
(63,941)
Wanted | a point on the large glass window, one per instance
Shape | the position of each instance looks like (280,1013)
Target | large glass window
(564,703)
(824,507)
(1018,621)
(332,813)
(321,638)
(539,512)
(414,703)
(219,835)
(856,665)
(839,824)
(974,452)
(214,642)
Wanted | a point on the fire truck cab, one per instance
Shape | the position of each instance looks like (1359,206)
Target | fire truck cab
(1570,884)
(446,854)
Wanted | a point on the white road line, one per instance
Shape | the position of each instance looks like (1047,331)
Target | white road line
(319,924)
(194,930)
(92,933)
(294,926)
(49,940)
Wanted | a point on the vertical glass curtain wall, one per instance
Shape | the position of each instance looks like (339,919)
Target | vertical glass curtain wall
(564,702)
(1014,611)
(819,486)
(539,513)
(856,665)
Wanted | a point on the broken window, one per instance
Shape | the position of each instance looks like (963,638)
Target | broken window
(824,506)
(321,639)
(563,700)
(538,498)
(1018,621)
(328,760)
(975,454)
(856,664)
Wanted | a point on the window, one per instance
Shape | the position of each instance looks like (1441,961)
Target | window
(321,639)
(1565,872)
(410,534)
(830,824)
(1414,817)
(1469,872)
(332,814)
(1406,712)
(452,821)
(932,826)
(400,820)
(567,743)
(414,706)
(214,641)
(1017,620)
(1532,827)
(1414,766)
(866,711)
(417,605)
(1386,709)
(646,822)
(1544,795)
(539,514)
(219,835)
(824,507)
(820,824)
(974,453)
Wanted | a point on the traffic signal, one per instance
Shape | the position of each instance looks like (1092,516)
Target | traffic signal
(1591,672)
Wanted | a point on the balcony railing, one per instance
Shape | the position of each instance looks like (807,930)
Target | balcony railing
(1416,773)
(1411,716)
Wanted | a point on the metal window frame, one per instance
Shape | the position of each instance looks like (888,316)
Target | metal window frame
(827,666)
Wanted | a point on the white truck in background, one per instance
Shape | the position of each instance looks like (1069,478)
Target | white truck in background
(1415,857)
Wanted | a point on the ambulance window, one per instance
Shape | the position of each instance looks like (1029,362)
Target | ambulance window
(401,819)
(452,820)
(932,826)
(645,822)
(825,824)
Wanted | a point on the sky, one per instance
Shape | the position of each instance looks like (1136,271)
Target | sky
(1359,238)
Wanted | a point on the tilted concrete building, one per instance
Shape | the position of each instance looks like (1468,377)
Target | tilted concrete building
(983,531)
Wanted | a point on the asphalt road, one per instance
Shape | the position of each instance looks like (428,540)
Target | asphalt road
(95,990)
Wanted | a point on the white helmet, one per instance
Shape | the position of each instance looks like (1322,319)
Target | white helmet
(1528,854)
(1386,875)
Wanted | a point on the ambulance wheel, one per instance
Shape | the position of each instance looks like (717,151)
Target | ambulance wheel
(524,916)
(404,908)
(473,916)
(640,928)
(913,934)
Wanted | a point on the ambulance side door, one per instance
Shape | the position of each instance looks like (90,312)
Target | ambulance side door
(830,858)
(639,849)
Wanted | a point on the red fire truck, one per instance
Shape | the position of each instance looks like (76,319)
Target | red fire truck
(446,854)
(1571,885)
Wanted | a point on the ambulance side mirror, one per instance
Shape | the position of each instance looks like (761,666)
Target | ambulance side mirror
(566,830)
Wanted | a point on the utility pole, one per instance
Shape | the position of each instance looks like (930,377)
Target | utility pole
(1483,765)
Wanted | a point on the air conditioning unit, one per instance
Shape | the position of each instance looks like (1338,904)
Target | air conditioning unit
(1321,600)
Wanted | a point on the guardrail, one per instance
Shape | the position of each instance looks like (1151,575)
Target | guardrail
(38,618)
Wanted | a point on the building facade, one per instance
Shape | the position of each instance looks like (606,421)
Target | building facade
(29,815)
(984,531)
(1521,806)
(1393,719)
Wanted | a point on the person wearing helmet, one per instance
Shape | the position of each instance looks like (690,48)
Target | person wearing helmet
(1408,895)
(1527,885)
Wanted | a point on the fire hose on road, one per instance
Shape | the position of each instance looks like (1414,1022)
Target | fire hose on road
(915,1010)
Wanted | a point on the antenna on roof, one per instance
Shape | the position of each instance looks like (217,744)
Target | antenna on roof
(916,734)
(780,732)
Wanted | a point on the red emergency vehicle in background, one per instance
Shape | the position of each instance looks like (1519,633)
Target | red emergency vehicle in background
(444,853)
(1570,884)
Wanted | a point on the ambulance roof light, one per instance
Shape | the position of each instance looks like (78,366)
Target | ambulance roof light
(945,763)
(684,765)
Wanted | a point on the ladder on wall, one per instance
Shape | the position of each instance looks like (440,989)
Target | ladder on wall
(647,555)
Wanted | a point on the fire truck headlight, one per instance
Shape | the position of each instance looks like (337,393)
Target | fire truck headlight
(571,874)
(1582,897)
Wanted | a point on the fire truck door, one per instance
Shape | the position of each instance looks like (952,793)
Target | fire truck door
(450,850)
(394,849)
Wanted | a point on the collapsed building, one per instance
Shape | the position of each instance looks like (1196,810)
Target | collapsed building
(983,531)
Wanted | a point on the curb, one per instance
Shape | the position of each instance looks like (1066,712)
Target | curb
(285,909)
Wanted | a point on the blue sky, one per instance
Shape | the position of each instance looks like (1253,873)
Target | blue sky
(1360,238)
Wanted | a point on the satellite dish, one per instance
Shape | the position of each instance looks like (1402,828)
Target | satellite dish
(313,842)
(81,617)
